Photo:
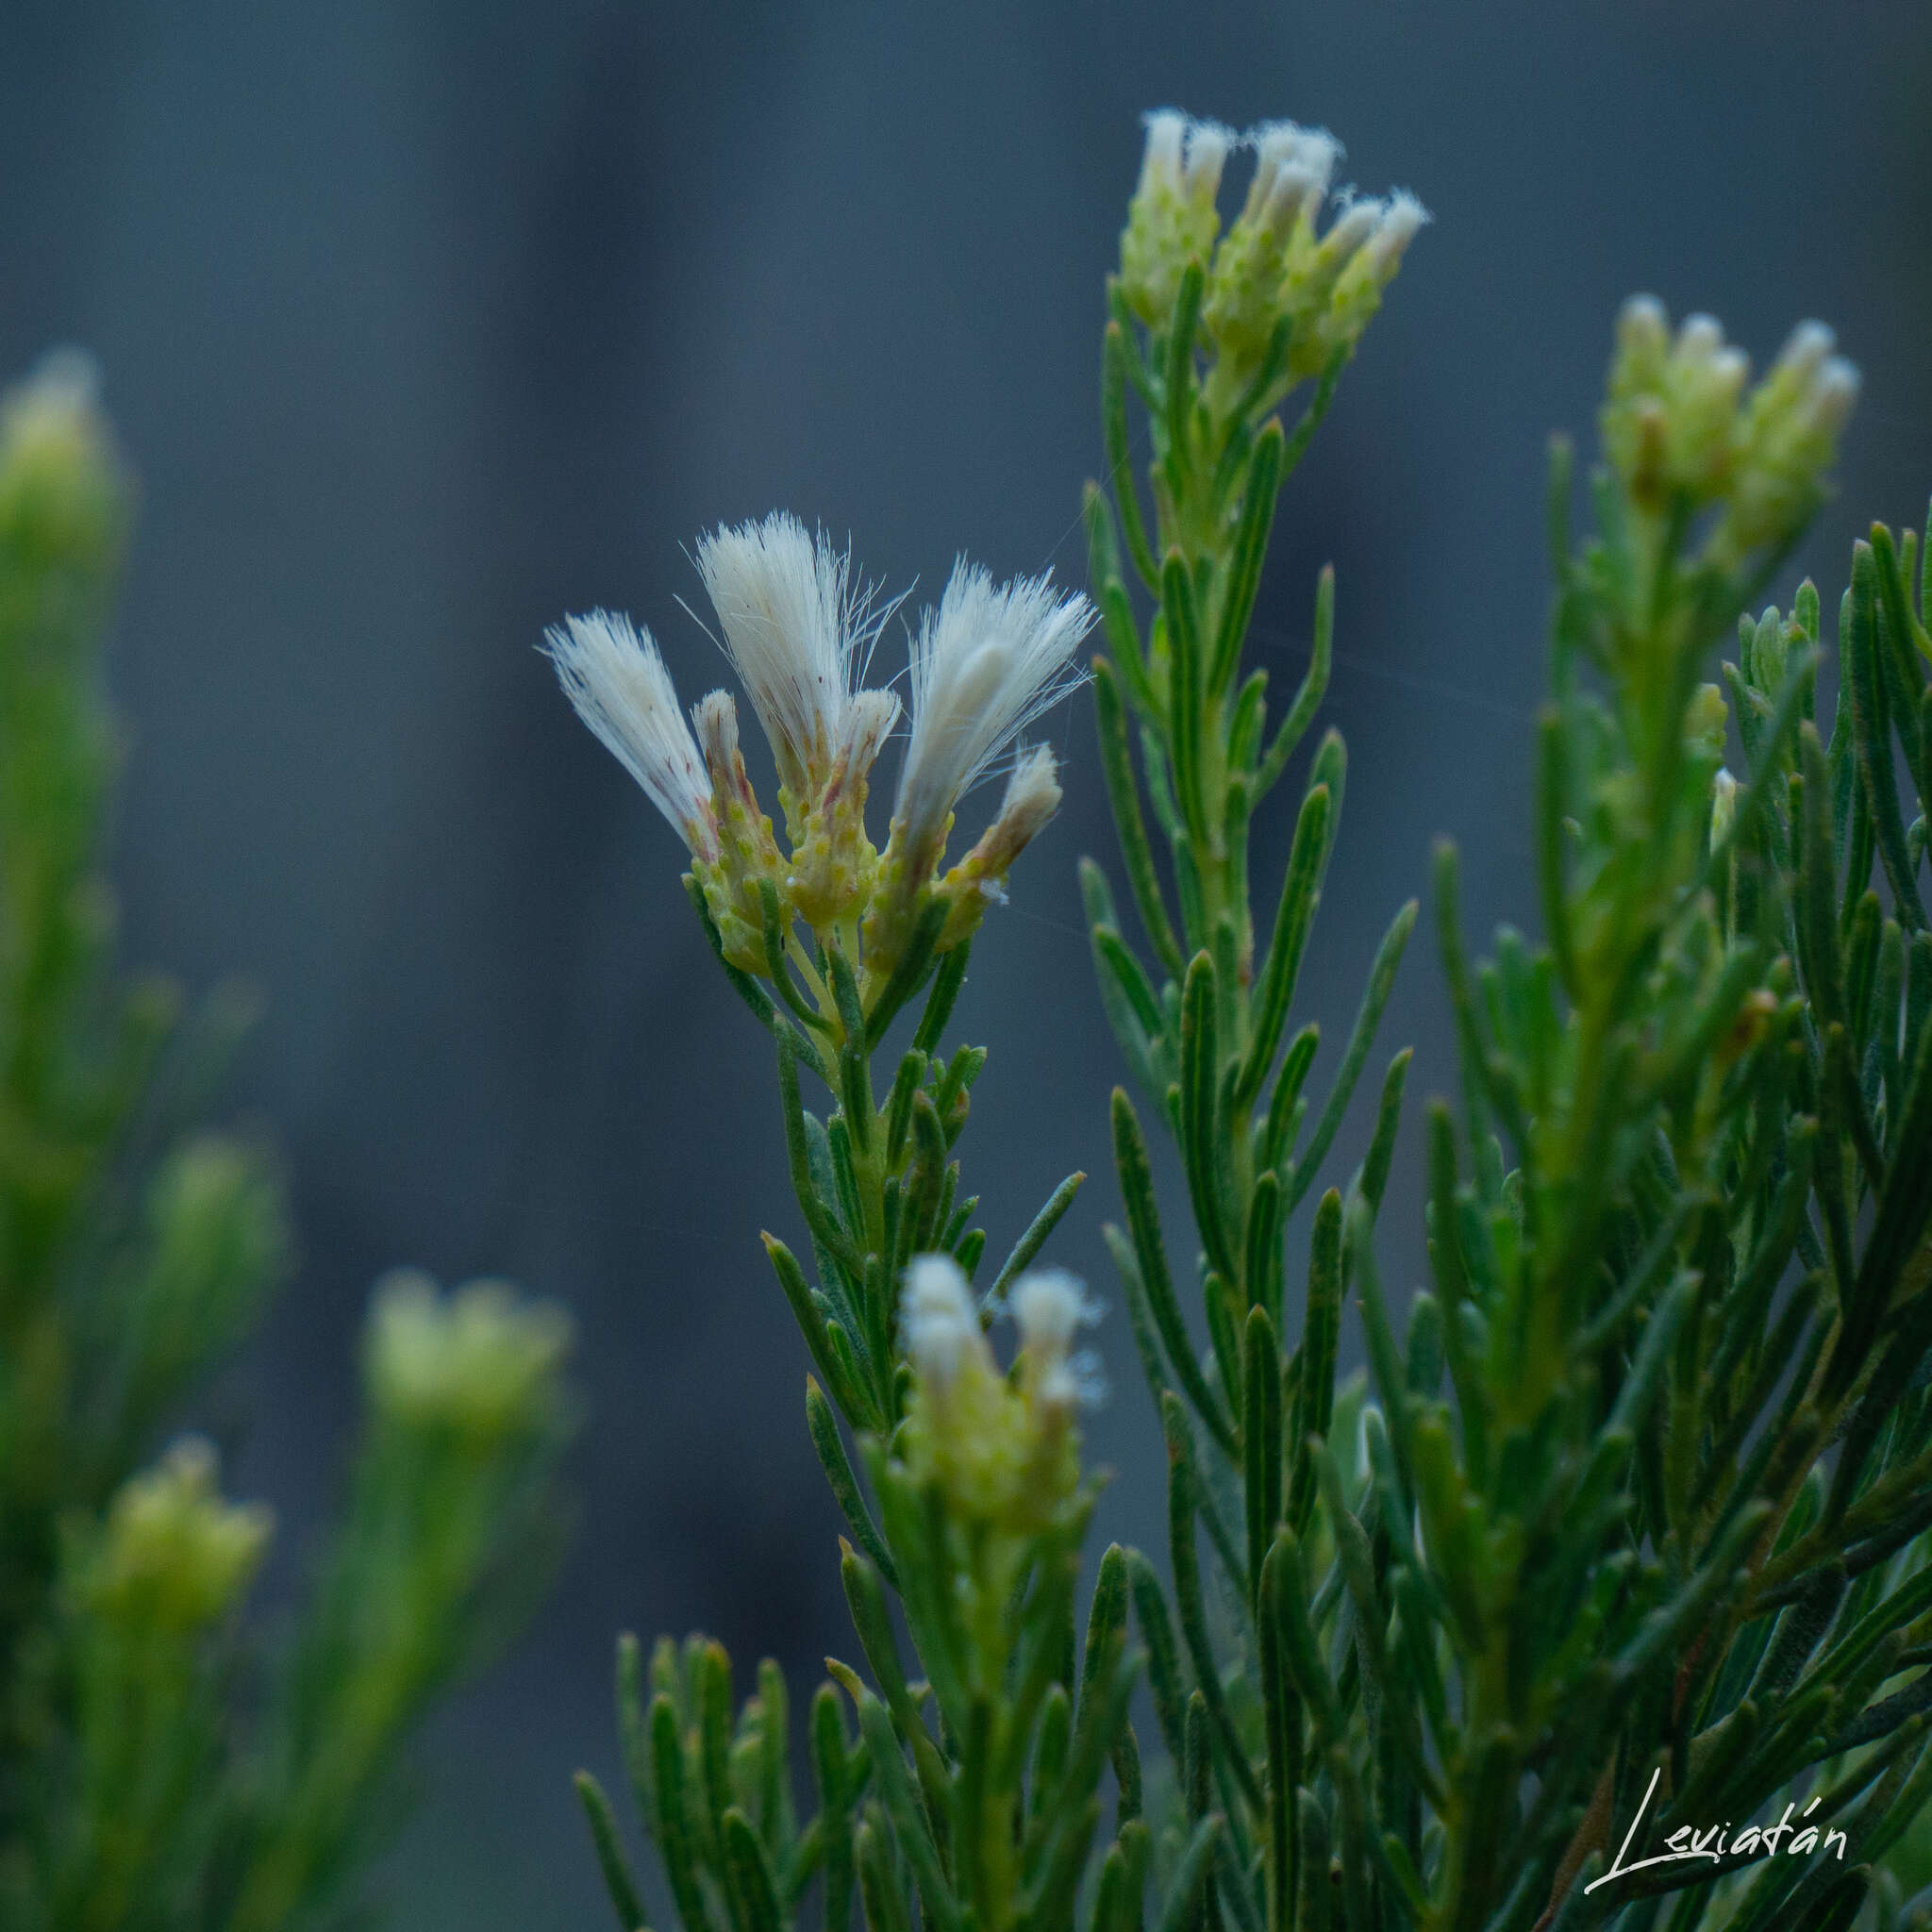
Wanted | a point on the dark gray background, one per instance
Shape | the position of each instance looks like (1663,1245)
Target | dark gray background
(423,324)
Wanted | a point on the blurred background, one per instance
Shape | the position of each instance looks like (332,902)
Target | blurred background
(423,324)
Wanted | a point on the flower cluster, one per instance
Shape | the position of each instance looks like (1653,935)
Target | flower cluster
(799,629)
(1003,1448)
(1281,295)
(61,488)
(481,1360)
(1683,435)
(173,1553)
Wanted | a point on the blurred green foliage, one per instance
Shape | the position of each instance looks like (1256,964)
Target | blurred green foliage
(162,1767)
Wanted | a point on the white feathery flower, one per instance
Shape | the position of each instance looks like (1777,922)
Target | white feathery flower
(937,1321)
(794,623)
(614,674)
(987,663)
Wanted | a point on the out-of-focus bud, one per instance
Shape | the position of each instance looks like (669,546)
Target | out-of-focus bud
(1788,441)
(1171,219)
(1002,1448)
(940,1327)
(1724,806)
(1670,413)
(218,1240)
(966,1427)
(481,1359)
(1708,721)
(1050,1307)
(62,490)
(1680,432)
(173,1555)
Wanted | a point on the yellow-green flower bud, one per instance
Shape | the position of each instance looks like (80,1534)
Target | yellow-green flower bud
(966,1427)
(1356,271)
(1171,219)
(747,853)
(903,887)
(1635,424)
(1032,797)
(1708,721)
(1003,1448)
(62,492)
(1242,303)
(833,863)
(173,1555)
(479,1360)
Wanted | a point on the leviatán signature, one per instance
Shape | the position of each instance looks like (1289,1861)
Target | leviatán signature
(1755,1841)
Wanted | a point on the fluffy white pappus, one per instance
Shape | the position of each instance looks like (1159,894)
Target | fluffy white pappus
(1184,156)
(1294,167)
(614,674)
(1160,159)
(1351,230)
(1050,1307)
(1079,1382)
(1209,146)
(985,665)
(1833,394)
(1643,326)
(1403,217)
(936,1323)
(1700,338)
(715,717)
(869,721)
(1032,797)
(793,625)
(1825,385)
(1806,350)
